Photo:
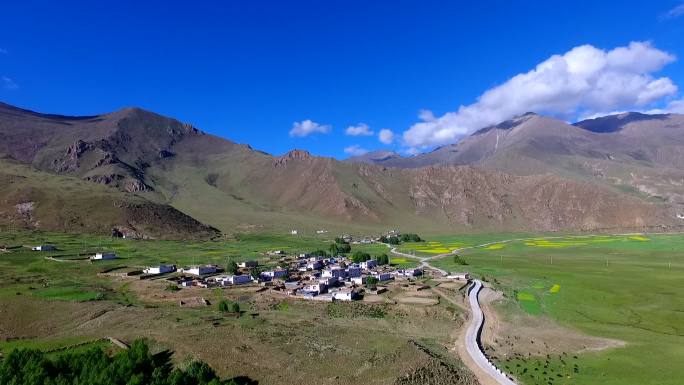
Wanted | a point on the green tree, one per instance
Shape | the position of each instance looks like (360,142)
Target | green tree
(383,259)
(360,256)
(231,267)
(334,250)
(459,260)
(371,282)
(343,248)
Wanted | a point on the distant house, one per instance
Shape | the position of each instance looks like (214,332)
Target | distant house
(317,288)
(345,295)
(102,256)
(353,271)
(276,252)
(248,264)
(347,238)
(321,231)
(278,273)
(314,265)
(369,264)
(329,281)
(335,272)
(409,272)
(357,281)
(382,276)
(43,248)
(294,232)
(161,269)
(239,279)
(459,276)
(200,270)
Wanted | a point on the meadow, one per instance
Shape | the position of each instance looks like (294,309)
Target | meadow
(628,288)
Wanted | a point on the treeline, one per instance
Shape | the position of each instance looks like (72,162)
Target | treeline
(395,240)
(134,366)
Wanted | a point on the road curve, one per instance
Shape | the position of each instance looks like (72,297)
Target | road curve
(472,338)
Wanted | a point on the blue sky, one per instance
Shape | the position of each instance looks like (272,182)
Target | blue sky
(250,70)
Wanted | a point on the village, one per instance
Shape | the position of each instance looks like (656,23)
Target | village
(338,275)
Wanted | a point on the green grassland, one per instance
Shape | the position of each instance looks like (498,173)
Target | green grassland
(628,288)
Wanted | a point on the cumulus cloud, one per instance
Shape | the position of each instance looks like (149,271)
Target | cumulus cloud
(386,136)
(673,107)
(8,83)
(308,127)
(675,12)
(361,129)
(355,150)
(582,81)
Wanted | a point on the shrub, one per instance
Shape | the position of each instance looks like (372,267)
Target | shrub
(459,260)
(227,306)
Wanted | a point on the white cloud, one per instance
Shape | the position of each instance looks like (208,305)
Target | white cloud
(673,107)
(308,127)
(361,129)
(8,83)
(355,150)
(582,81)
(386,136)
(675,12)
(3,51)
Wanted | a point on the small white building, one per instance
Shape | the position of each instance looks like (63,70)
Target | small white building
(357,280)
(200,270)
(344,295)
(278,273)
(239,279)
(321,231)
(248,264)
(409,272)
(294,232)
(161,269)
(102,256)
(459,276)
(369,264)
(314,265)
(316,288)
(382,276)
(335,272)
(43,248)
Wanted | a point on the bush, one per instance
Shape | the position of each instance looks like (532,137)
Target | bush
(341,241)
(459,260)
(382,259)
(172,288)
(410,238)
(360,256)
(231,267)
(227,306)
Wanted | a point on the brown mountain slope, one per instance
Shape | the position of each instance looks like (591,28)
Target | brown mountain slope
(231,186)
(33,199)
(631,152)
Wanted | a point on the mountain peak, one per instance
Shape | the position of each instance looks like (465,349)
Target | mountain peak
(615,123)
(508,124)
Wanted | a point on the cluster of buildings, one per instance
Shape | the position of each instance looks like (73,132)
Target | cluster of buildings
(303,276)
(336,278)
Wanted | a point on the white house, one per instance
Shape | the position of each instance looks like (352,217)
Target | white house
(383,276)
(294,232)
(369,264)
(314,265)
(357,280)
(239,279)
(335,272)
(248,264)
(459,276)
(316,288)
(409,272)
(200,270)
(344,295)
(102,256)
(43,248)
(278,273)
(161,269)
(329,281)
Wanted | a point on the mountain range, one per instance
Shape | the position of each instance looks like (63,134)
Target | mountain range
(136,172)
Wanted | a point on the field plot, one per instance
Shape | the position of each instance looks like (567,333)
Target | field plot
(627,289)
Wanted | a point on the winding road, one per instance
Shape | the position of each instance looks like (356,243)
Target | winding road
(472,338)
